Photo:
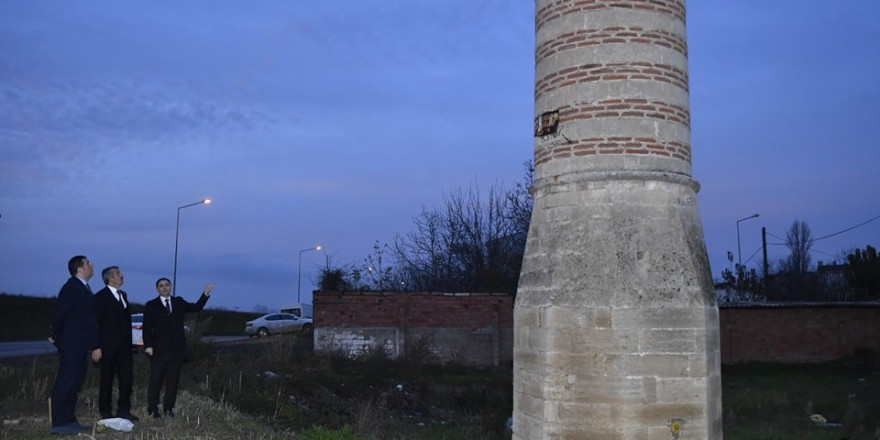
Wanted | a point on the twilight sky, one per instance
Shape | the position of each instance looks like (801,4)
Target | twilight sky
(334,122)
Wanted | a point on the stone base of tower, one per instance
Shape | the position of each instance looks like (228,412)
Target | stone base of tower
(616,326)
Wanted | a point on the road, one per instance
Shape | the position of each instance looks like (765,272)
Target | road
(25,348)
(34,348)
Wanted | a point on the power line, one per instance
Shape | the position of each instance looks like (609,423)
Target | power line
(812,240)
(753,254)
(777,237)
(847,229)
(821,252)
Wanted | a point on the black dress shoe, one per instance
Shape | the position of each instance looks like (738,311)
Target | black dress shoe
(64,430)
(128,416)
(154,412)
(169,413)
(79,426)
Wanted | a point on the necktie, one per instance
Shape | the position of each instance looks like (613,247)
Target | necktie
(121,297)
(168,306)
(89,288)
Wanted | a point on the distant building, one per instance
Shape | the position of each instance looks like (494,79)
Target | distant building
(832,276)
(832,280)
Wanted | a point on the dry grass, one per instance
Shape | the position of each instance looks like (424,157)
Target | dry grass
(277,388)
(274,388)
(197,418)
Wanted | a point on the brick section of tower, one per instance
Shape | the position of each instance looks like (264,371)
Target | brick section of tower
(557,9)
(610,35)
(635,71)
(614,145)
(621,58)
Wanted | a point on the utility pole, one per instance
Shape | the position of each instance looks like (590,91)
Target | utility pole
(766,282)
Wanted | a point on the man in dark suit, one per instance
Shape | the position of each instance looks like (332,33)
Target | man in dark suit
(74,333)
(165,343)
(114,342)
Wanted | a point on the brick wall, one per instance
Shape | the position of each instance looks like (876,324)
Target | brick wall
(468,328)
(798,334)
(419,309)
(478,328)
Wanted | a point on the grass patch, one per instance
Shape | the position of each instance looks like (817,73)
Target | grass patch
(766,401)
(276,388)
(198,418)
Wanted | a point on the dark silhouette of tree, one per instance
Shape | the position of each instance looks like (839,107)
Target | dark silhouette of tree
(520,202)
(744,285)
(377,274)
(468,245)
(793,283)
(799,242)
(374,274)
(863,273)
(334,279)
(459,248)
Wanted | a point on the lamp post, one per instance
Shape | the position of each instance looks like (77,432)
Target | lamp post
(299,270)
(176,236)
(738,248)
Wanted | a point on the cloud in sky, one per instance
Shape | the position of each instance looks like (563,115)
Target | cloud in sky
(335,122)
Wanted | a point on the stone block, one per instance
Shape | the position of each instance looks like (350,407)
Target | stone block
(575,387)
(658,414)
(671,340)
(654,365)
(682,390)
(600,340)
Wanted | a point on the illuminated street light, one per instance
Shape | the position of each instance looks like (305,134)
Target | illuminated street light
(176,236)
(738,249)
(299,271)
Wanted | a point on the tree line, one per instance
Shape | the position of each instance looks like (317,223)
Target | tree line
(856,278)
(476,244)
(469,244)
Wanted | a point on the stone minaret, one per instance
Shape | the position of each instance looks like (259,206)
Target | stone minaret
(616,326)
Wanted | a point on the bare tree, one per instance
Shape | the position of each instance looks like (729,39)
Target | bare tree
(520,202)
(421,253)
(456,249)
(378,274)
(799,241)
(468,245)
(471,244)
(792,282)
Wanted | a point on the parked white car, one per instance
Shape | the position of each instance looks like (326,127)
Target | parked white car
(277,323)
(137,330)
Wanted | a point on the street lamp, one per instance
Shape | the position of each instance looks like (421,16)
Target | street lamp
(738,249)
(176,236)
(299,271)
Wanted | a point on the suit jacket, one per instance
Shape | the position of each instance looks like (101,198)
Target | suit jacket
(164,332)
(114,321)
(75,321)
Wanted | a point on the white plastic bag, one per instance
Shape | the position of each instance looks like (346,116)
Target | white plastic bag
(117,423)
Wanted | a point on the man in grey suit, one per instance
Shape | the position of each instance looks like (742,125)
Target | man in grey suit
(114,338)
